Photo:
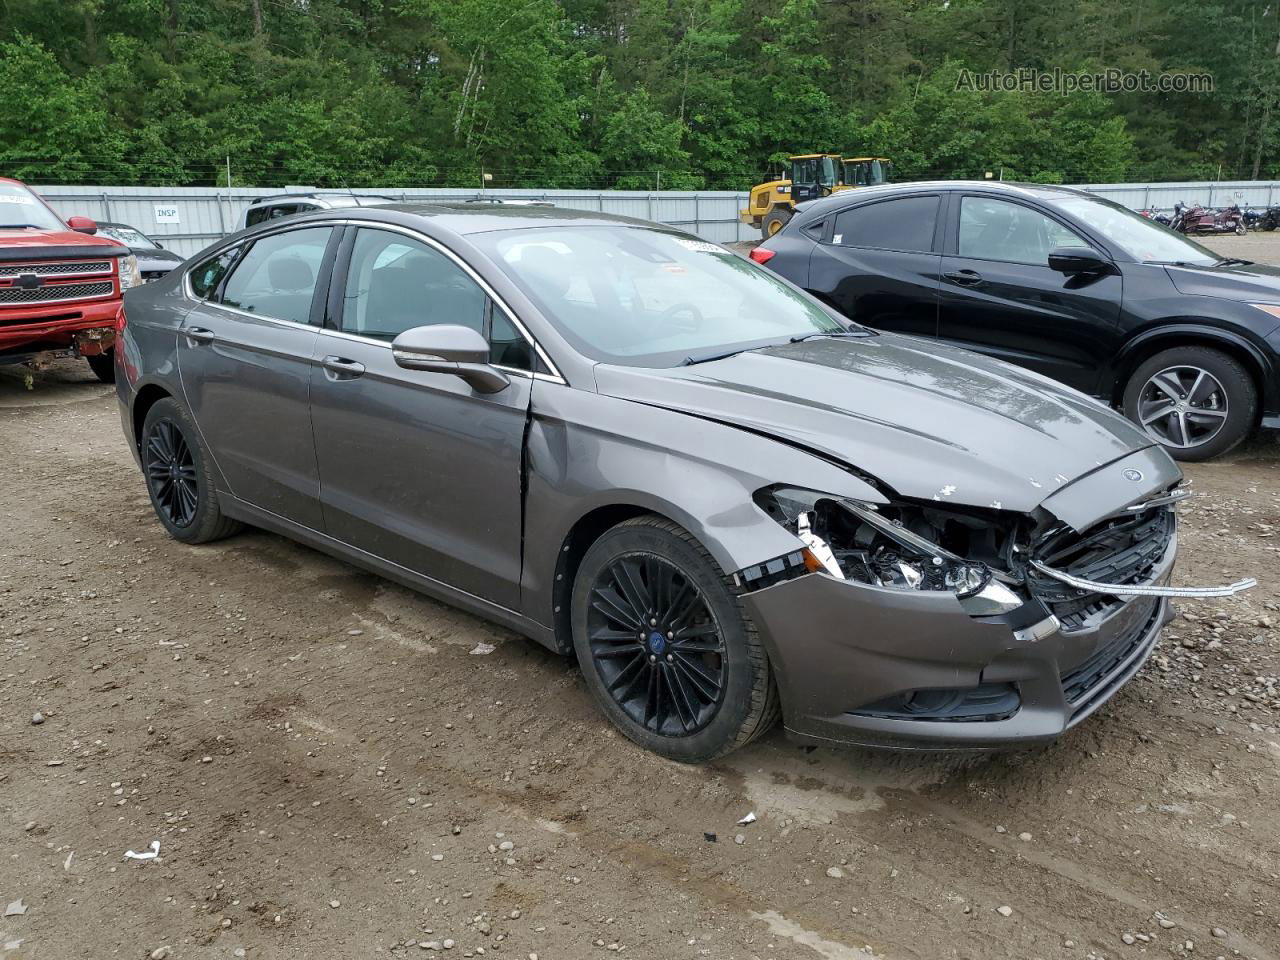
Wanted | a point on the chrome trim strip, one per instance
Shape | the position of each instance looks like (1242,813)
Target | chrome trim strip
(554,377)
(1173,496)
(10,272)
(1146,589)
(1038,631)
(44,303)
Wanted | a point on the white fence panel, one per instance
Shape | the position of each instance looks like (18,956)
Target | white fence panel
(1162,196)
(187,219)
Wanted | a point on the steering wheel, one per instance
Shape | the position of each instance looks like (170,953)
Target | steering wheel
(673,313)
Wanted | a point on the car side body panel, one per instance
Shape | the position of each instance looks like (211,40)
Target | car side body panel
(586,451)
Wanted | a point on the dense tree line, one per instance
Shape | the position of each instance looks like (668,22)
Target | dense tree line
(621,93)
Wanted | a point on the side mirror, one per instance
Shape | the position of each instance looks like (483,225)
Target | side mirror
(82,225)
(449,348)
(1072,260)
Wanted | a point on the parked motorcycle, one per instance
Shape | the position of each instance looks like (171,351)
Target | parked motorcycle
(1199,220)
(1156,215)
(1267,221)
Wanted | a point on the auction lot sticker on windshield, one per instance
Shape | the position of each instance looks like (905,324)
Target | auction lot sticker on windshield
(16,198)
(700,246)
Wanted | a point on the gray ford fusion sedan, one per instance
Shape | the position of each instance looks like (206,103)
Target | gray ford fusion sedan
(643,450)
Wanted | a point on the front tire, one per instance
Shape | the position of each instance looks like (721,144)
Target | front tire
(1241,228)
(665,645)
(1196,402)
(103,365)
(176,467)
(774,221)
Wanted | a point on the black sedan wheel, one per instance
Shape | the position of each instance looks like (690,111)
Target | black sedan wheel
(1196,402)
(178,479)
(665,645)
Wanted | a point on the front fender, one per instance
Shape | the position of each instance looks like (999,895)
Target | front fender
(1206,331)
(586,451)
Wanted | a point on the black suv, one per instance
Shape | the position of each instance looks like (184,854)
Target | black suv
(1075,287)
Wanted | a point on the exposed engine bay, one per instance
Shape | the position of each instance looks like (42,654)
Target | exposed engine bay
(991,560)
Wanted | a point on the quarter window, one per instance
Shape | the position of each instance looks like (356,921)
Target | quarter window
(277,277)
(507,348)
(395,283)
(205,277)
(905,223)
(998,230)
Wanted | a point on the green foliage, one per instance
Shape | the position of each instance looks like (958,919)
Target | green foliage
(621,93)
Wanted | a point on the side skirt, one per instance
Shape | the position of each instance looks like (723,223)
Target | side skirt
(511,619)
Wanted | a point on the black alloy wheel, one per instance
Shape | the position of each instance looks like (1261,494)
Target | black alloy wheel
(178,474)
(666,644)
(171,473)
(656,645)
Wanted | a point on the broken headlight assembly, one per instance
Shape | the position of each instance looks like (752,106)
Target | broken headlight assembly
(904,546)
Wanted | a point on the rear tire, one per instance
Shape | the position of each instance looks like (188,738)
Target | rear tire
(176,468)
(774,221)
(103,365)
(666,646)
(1193,423)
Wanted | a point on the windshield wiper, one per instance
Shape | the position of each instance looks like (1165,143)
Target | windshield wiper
(1233,262)
(690,361)
(833,333)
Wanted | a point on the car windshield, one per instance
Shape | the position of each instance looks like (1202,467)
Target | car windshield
(129,236)
(1137,236)
(20,208)
(649,297)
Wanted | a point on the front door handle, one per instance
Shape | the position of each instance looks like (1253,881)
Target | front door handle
(340,368)
(199,335)
(966,278)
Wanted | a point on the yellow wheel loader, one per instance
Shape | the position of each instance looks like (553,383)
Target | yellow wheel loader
(866,171)
(813,175)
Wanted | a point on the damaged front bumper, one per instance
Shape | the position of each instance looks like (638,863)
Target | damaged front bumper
(870,665)
(864,664)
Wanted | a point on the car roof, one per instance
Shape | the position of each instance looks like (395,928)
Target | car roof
(469,218)
(329,196)
(1039,191)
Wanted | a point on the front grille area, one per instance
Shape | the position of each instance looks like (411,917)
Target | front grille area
(69,268)
(1122,550)
(56,292)
(1082,679)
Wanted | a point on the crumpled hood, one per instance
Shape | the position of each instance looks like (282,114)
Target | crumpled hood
(1257,281)
(929,420)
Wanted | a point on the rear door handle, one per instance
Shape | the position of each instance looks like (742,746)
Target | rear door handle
(340,368)
(965,278)
(199,335)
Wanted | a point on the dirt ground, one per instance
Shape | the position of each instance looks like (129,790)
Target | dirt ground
(335,767)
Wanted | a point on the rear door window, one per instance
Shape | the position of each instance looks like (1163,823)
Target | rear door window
(904,223)
(277,277)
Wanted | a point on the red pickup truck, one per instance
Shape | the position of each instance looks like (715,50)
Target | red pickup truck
(60,286)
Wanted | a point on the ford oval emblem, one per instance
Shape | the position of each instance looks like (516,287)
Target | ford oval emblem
(1132,474)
